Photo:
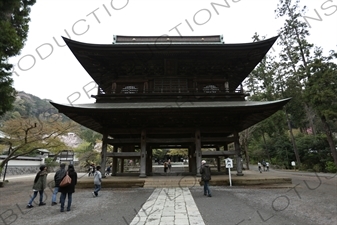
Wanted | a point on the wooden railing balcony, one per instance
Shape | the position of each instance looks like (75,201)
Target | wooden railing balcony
(171,95)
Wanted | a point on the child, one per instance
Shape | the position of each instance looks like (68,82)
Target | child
(97,181)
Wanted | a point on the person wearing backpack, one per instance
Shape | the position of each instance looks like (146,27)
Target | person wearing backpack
(40,183)
(69,189)
(205,172)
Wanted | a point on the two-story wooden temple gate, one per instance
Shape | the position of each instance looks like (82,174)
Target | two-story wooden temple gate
(157,92)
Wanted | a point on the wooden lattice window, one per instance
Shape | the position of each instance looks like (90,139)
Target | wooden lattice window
(129,90)
(210,89)
(170,85)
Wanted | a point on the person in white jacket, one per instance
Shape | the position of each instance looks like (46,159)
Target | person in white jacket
(97,181)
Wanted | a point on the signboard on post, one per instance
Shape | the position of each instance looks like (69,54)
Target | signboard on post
(229,165)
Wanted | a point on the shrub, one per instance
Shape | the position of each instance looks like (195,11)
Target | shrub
(303,167)
(317,168)
(330,167)
(50,164)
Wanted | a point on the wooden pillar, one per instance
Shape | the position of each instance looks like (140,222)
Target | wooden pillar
(143,154)
(103,153)
(238,154)
(149,161)
(122,165)
(198,152)
(218,160)
(190,159)
(225,147)
(114,162)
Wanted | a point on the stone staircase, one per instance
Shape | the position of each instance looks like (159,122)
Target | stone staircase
(171,181)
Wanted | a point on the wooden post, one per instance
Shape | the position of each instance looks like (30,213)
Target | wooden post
(198,151)
(238,156)
(143,154)
(103,153)
(149,161)
(122,165)
(189,157)
(225,148)
(114,162)
(218,160)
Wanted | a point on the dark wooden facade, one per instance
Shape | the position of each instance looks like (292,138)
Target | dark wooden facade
(157,92)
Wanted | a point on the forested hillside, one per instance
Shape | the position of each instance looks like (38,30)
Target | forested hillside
(27,105)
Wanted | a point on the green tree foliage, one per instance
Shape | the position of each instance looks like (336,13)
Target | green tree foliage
(179,152)
(86,154)
(321,92)
(159,153)
(25,135)
(89,136)
(309,79)
(14,19)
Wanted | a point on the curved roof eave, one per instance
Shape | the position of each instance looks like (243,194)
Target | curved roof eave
(171,105)
(104,116)
(108,62)
(264,43)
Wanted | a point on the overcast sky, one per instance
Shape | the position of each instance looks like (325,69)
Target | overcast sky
(47,68)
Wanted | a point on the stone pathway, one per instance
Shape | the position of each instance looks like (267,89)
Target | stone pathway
(169,206)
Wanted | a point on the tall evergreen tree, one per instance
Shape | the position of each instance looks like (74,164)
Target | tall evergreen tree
(295,58)
(261,84)
(14,19)
(321,91)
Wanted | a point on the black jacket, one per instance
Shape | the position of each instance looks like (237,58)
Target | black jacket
(70,188)
(205,172)
(59,176)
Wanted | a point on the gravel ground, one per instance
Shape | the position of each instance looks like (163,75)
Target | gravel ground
(312,201)
(117,206)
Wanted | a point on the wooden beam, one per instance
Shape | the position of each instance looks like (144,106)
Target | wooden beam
(169,130)
(170,140)
(217,139)
(218,153)
(123,154)
(123,141)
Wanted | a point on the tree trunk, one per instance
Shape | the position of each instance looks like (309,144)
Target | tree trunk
(247,156)
(266,147)
(298,160)
(330,139)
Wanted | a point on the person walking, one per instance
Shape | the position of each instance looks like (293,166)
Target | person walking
(264,165)
(70,189)
(165,167)
(169,165)
(40,183)
(259,166)
(108,170)
(57,179)
(97,181)
(205,172)
(267,165)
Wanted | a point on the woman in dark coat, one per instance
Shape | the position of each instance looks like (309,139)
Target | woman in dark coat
(40,183)
(70,189)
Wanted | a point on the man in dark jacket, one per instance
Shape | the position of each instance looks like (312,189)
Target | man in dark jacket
(57,179)
(205,172)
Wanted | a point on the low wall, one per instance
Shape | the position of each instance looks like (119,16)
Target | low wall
(19,170)
(22,165)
